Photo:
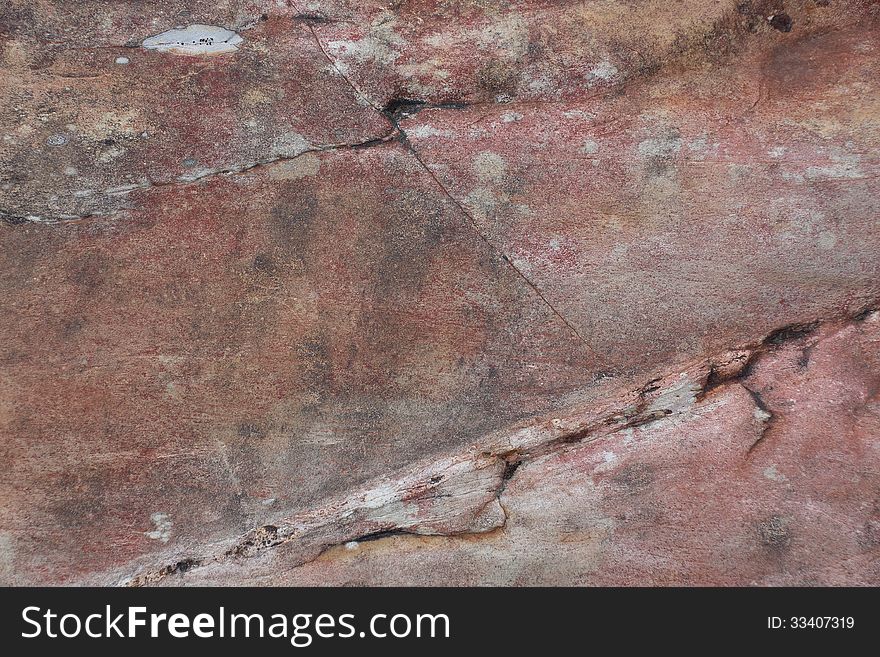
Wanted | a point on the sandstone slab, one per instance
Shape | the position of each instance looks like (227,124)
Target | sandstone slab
(498,290)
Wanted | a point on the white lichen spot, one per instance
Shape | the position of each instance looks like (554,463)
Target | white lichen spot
(122,60)
(304,166)
(508,34)
(608,457)
(425,131)
(761,415)
(352,545)
(57,140)
(777,151)
(842,166)
(661,146)
(590,147)
(109,154)
(99,126)
(290,144)
(698,144)
(604,71)
(490,167)
(195,39)
(424,77)
(522,265)
(578,114)
(541,85)
(771,473)
(700,147)
(379,47)
(211,515)
(522,209)
(161,527)
(482,202)
(511,117)
(827,240)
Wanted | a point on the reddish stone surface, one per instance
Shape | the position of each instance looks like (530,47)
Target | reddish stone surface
(420,267)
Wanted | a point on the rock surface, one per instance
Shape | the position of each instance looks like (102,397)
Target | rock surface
(440,291)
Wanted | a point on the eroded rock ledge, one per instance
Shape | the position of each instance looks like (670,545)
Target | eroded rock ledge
(614,458)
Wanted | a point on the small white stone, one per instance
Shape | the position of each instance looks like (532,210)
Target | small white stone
(195,39)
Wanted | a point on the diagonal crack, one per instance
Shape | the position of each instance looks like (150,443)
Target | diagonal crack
(406,142)
(357,90)
(389,114)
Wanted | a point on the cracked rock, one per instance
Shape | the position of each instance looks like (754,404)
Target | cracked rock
(504,292)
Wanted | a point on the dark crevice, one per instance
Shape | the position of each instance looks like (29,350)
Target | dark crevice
(781,22)
(399,108)
(759,400)
(19,220)
(379,535)
(766,423)
(314,18)
(576,436)
(12,219)
(183,566)
(713,380)
(789,333)
(862,315)
(258,540)
(651,386)
(803,361)
(716,378)
(378,141)
(510,467)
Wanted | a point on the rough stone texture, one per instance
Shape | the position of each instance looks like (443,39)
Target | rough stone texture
(741,486)
(523,292)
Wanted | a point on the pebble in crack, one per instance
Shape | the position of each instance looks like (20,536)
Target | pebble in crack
(195,40)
